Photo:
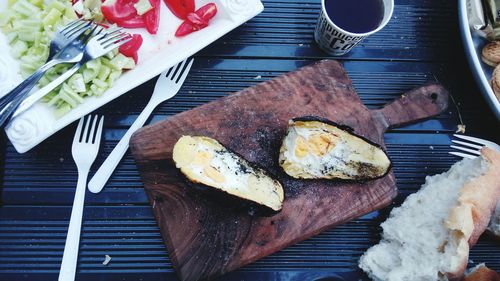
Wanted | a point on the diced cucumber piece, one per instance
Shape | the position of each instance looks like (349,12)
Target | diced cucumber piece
(25,8)
(100,83)
(38,3)
(142,7)
(18,49)
(91,70)
(130,64)
(62,110)
(76,83)
(113,76)
(96,91)
(58,5)
(52,17)
(120,61)
(103,73)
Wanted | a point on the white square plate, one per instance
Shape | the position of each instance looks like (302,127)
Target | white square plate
(158,52)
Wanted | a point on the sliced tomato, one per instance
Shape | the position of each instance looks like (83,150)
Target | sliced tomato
(184,29)
(118,10)
(130,48)
(207,12)
(152,18)
(136,22)
(180,8)
(197,20)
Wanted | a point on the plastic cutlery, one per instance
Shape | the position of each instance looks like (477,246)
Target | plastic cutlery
(167,86)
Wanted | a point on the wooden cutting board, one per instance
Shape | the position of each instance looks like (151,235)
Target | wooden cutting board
(205,239)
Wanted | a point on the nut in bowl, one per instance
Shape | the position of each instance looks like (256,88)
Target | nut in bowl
(490,55)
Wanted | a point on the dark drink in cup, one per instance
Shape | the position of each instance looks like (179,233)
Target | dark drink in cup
(344,23)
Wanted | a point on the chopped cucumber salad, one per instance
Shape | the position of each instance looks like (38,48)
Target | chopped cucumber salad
(29,25)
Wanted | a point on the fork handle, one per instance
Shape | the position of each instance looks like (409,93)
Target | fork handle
(13,99)
(107,168)
(70,256)
(32,99)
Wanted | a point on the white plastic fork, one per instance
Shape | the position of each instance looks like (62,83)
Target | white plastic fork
(471,145)
(85,147)
(167,86)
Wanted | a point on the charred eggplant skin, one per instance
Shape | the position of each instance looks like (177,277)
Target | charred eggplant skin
(349,130)
(346,128)
(228,201)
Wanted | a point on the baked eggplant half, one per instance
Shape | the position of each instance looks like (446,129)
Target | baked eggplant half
(204,160)
(316,148)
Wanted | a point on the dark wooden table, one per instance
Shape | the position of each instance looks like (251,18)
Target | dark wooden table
(421,43)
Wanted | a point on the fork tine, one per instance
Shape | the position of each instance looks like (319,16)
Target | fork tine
(92,129)
(86,130)
(92,32)
(169,71)
(117,44)
(112,31)
(473,139)
(177,68)
(467,144)
(463,155)
(75,28)
(110,38)
(75,34)
(466,149)
(98,135)
(78,132)
(71,24)
(185,70)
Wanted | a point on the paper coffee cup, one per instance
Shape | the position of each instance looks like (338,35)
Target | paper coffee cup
(336,41)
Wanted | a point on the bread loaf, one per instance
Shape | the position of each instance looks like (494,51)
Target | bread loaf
(482,273)
(428,237)
(494,226)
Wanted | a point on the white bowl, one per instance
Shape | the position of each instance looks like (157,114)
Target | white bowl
(158,52)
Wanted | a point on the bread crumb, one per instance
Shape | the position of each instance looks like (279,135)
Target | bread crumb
(107,259)
(460,128)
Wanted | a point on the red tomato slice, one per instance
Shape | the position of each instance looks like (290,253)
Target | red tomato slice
(118,10)
(197,21)
(207,12)
(136,22)
(180,8)
(130,48)
(185,28)
(152,18)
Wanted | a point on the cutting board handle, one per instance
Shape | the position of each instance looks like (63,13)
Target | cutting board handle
(420,103)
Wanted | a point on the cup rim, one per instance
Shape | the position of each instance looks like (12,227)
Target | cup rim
(382,24)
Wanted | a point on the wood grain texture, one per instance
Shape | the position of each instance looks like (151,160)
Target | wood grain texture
(204,238)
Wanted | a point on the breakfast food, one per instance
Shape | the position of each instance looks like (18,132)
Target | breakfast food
(316,148)
(482,273)
(428,237)
(491,53)
(204,160)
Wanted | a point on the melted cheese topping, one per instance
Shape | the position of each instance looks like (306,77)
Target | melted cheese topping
(206,161)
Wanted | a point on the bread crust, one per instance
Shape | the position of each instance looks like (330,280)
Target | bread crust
(482,273)
(476,203)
